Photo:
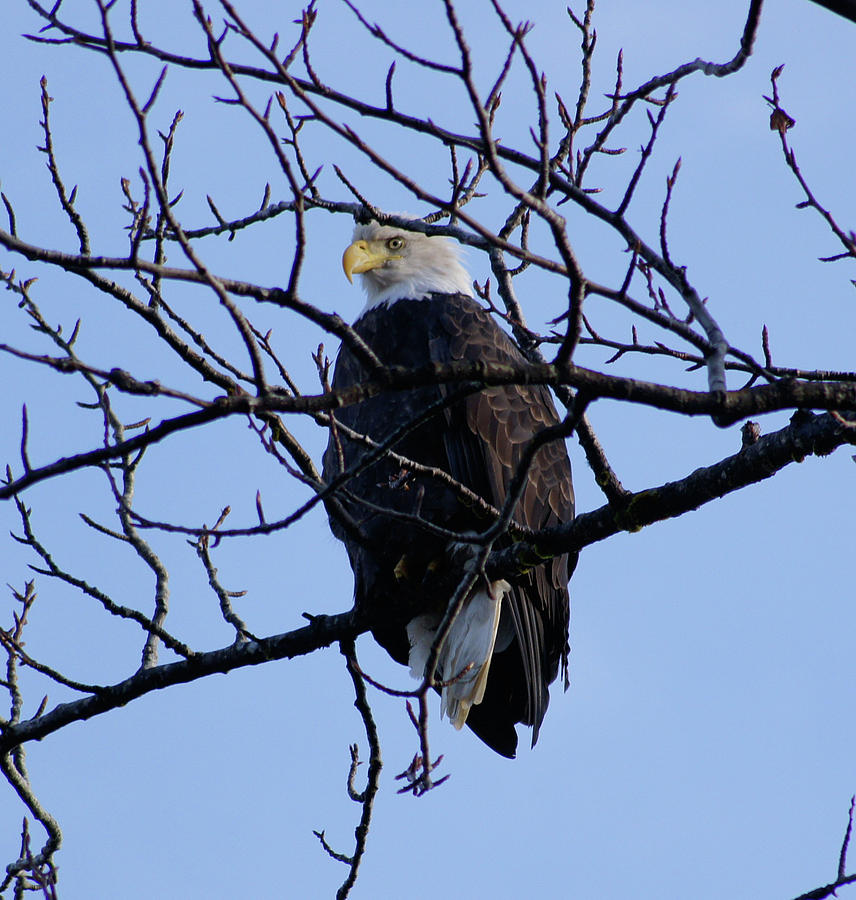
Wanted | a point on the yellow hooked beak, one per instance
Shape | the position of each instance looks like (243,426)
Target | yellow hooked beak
(363,256)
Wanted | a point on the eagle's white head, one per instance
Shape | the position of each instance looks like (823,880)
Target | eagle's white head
(397,264)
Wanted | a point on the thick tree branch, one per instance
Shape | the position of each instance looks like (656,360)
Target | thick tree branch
(728,407)
(806,435)
(321,632)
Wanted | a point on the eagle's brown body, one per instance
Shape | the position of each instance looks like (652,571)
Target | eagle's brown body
(478,440)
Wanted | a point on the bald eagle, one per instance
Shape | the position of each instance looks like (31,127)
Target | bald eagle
(511,637)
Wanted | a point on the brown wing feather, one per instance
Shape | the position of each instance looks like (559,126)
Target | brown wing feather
(500,422)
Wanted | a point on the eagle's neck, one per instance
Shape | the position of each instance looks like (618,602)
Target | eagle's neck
(421,286)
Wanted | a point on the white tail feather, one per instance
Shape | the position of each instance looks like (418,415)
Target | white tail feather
(466,653)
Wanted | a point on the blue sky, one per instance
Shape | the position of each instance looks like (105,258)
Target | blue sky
(706,746)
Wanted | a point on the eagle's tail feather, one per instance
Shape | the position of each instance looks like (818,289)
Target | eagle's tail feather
(464,661)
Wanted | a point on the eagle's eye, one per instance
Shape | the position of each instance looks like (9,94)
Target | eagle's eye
(395,243)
